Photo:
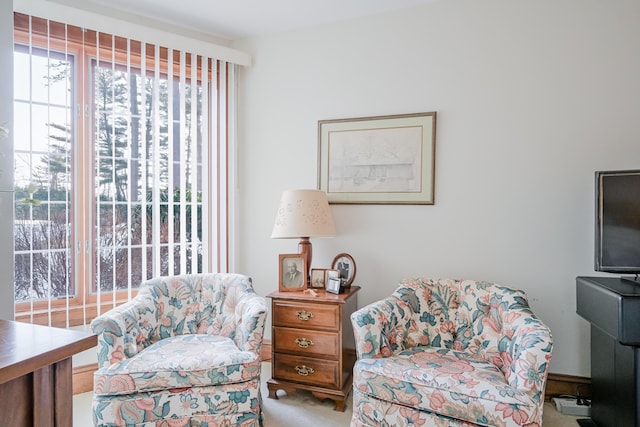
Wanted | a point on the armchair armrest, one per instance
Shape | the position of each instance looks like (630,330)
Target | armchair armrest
(251,315)
(530,352)
(380,327)
(125,330)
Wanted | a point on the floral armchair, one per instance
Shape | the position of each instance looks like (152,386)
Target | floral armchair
(184,352)
(450,353)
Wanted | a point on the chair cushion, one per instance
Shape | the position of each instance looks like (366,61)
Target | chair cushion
(443,381)
(194,360)
(215,406)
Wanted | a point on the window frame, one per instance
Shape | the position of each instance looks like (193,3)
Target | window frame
(82,307)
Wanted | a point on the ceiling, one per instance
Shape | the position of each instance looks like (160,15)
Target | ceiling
(239,19)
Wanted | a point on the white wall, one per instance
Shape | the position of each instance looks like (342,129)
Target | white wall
(6,161)
(532,98)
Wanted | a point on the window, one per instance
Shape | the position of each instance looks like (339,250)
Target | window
(119,151)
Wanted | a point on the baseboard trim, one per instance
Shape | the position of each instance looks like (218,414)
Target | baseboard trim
(561,384)
(266,351)
(83,378)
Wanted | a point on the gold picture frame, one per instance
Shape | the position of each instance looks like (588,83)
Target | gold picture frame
(378,160)
(292,272)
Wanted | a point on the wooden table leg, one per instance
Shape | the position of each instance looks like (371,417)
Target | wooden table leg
(63,393)
(43,397)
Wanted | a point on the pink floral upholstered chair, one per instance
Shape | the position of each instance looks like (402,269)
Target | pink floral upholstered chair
(450,353)
(184,352)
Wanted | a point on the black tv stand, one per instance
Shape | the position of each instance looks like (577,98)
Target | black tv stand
(634,280)
(612,305)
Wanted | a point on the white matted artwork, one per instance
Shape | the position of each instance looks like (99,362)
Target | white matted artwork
(376,160)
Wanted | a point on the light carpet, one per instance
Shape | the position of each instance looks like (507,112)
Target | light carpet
(301,408)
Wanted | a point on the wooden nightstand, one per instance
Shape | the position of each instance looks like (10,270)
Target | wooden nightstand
(313,344)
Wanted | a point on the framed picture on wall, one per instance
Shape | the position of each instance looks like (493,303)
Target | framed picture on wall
(378,160)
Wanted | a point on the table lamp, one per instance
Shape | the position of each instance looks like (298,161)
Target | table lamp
(303,214)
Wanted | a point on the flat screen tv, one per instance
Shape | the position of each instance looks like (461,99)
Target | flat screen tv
(618,222)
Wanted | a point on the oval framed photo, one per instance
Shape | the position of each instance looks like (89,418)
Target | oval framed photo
(345,264)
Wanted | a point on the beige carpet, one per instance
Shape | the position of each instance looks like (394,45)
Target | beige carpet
(301,408)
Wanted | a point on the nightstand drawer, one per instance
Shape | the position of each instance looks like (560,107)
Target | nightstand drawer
(306,370)
(306,342)
(306,315)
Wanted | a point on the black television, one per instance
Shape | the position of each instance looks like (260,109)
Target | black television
(617,242)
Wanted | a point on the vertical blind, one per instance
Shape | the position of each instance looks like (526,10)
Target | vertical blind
(121,152)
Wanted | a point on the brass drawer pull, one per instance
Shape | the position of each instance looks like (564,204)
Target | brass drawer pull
(304,370)
(304,342)
(304,315)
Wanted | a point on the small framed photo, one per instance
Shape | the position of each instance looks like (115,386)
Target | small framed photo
(334,286)
(317,277)
(346,266)
(292,273)
(330,274)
